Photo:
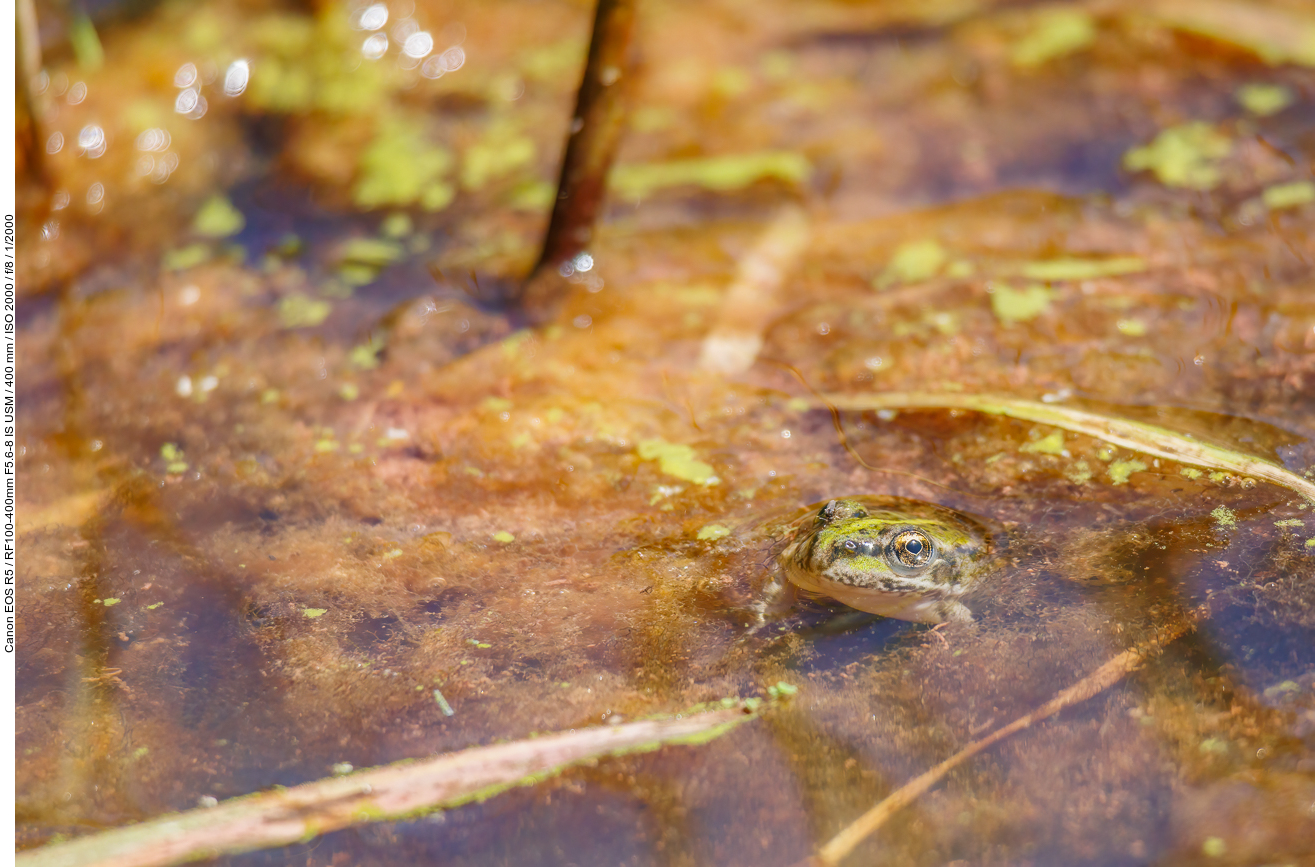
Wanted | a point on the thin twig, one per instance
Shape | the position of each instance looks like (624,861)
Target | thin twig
(841,845)
(595,133)
(397,791)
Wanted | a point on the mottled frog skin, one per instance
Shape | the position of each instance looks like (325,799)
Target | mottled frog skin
(890,556)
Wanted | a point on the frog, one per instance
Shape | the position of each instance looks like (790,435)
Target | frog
(900,558)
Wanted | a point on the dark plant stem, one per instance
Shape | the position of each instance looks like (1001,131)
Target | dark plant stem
(596,128)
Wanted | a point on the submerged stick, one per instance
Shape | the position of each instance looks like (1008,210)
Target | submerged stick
(755,298)
(596,128)
(398,791)
(842,844)
(1146,438)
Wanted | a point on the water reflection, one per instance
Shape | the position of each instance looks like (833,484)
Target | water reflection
(236,77)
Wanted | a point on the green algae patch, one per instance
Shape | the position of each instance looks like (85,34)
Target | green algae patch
(401,166)
(1131,327)
(1290,195)
(533,195)
(1047,445)
(313,613)
(360,259)
(1224,516)
(720,173)
(677,459)
(557,62)
(182,258)
(713,532)
(302,311)
(1286,687)
(309,64)
(504,537)
(1055,33)
(110,602)
(501,152)
(1191,473)
(365,356)
(1183,156)
(86,45)
(1120,471)
(1082,269)
(1264,99)
(375,252)
(913,262)
(173,459)
(396,226)
(1079,474)
(218,219)
(1012,305)
(1290,522)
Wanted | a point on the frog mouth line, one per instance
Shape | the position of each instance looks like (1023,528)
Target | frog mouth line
(901,586)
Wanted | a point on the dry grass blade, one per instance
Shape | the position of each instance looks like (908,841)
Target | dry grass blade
(396,791)
(841,845)
(1138,436)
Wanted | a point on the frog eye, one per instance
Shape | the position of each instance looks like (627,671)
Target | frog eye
(912,549)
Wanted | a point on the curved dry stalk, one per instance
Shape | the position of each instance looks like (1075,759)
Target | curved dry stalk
(842,844)
(397,791)
(754,299)
(1146,438)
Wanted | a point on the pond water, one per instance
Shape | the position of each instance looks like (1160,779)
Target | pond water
(294,495)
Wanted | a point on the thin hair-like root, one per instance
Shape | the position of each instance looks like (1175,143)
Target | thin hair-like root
(844,438)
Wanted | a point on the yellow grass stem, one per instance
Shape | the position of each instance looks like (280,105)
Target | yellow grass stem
(1138,436)
(397,791)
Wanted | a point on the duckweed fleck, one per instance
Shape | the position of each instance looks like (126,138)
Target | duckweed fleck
(1120,471)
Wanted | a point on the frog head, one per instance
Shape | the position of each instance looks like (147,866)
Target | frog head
(890,556)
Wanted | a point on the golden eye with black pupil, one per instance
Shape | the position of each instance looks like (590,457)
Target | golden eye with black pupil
(911,549)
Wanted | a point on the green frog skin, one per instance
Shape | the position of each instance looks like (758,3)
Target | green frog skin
(890,556)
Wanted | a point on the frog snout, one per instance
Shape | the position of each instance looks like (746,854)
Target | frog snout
(861,547)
